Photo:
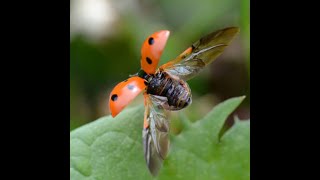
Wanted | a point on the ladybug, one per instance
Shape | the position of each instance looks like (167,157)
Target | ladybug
(165,89)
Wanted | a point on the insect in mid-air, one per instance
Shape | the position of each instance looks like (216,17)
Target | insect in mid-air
(165,88)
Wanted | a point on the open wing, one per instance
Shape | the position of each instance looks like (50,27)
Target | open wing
(155,132)
(200,54)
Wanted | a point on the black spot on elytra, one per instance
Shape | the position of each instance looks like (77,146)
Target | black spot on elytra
(150,40)
(130,86)
(149,61)
(114,97)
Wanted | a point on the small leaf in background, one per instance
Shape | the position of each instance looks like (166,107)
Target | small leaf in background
(111,148)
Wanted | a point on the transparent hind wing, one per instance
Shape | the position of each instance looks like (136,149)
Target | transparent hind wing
(155,132)
(200,54)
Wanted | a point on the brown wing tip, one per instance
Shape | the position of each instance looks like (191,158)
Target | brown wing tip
(231,33)
(154,170)
(234,29)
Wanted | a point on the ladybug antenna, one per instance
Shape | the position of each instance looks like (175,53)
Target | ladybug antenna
(132,75)
(136,74)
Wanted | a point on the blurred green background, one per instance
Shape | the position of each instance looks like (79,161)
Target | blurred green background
(106,37)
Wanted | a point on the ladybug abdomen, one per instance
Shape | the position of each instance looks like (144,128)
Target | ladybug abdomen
(177,91)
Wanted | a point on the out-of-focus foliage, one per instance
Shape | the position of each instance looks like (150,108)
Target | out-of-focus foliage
(111,148)
(106,37)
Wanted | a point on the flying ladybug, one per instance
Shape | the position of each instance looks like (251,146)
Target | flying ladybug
(165,89)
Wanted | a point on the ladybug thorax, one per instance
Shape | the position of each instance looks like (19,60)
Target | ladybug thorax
(177,91)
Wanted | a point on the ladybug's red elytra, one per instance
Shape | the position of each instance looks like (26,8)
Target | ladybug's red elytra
(165,89)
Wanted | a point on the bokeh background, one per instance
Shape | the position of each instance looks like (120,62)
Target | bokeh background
(106,37)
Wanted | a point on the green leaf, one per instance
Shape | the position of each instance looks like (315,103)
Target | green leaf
(111,148)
